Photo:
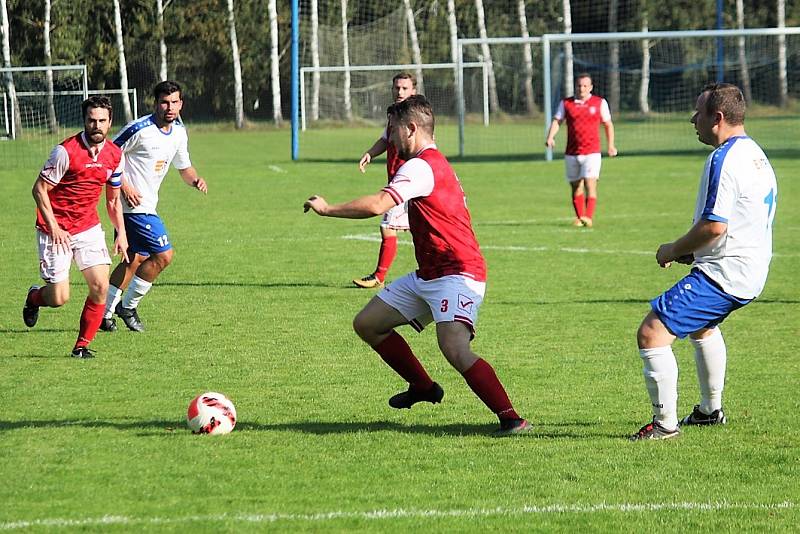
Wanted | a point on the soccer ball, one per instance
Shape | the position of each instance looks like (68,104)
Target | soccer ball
(211,413)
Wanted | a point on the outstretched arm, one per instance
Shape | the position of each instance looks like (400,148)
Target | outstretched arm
(190,176)
(612,149)
(360,208)
(375,150)
(703,233)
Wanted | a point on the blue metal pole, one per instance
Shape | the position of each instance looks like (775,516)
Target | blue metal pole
(295,79)
(720,46)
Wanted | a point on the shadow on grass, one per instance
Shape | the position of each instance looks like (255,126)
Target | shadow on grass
(561,430)
(612,301)
(244,284)
(35,330)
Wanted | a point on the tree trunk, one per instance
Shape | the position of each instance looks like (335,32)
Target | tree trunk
(277,116)
(453,26)
(237,68)
(527,58)
(52,121)
(162,45)
(613,53)
(748,94)
(348,108)
(123,68)
(569,84)
(644,88)
(315,59)
(9,77)
(782,79)
(494,103)
(412,31)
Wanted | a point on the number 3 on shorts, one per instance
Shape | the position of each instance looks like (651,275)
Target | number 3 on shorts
(444,306)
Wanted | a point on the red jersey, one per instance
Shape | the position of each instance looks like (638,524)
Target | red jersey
(441,227)
(393,161)
(78,178)
(583,119)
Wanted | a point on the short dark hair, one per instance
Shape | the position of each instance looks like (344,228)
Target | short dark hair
(405,76)
(97,101)
(728,99)
(584,75)
(167,87)
(416,109)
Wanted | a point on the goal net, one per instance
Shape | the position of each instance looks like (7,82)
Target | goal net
(651,81)
(39,107)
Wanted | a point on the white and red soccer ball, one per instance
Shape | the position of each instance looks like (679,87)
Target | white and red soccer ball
(211,413)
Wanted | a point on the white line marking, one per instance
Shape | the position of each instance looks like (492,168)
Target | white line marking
(515,248)
(402,513)
(275,168)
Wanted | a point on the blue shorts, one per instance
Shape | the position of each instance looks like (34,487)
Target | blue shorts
(694,303)
(146,234)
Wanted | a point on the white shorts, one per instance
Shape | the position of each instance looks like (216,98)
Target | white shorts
(88,249)
(582,166)
(443,300)
(396,218)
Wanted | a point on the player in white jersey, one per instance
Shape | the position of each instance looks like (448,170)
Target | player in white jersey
(150,144)
(729,247)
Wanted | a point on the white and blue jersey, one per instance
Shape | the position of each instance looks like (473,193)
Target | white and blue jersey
(148,153)
(738,187)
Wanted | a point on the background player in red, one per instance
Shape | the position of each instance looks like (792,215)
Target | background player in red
(583,112)
(67,224)
(448,286)
(404,85)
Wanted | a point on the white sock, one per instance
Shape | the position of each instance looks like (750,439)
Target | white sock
(137,289)
(711,357)
(113,297)
(661,378)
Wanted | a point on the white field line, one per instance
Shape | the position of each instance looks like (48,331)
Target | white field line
(516,248)
(575,509)
(275,168)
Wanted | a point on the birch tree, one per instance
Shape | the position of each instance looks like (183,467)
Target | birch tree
(527,58)
(52,122)
(315,59)
(123,68)
(644,88)
(348,108)
(452,24)
(9,77)
(162,44)
(748,94)
(237,68)
(569,84)
(412,31)
(783,84)
(613,53)
(277,116)
(494,103)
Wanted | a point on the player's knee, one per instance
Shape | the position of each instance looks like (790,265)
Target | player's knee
(98,290)
(164,258)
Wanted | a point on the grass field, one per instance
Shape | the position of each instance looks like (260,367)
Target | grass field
(258,304)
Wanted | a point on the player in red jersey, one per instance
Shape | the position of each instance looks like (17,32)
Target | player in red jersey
(448,286)
(404,85)
(583,112)
(67,224)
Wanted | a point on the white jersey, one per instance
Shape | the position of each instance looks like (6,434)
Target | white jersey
(738,187)
(148,153)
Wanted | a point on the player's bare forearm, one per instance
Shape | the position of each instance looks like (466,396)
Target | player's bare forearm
(360,208)
(609,128)
(40,190)
(702,234)
(378,148)
(114,208)
(192,179)
(551,133)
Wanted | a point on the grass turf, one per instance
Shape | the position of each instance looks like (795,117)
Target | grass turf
(258,304)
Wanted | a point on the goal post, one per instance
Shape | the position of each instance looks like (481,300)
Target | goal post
(658,74)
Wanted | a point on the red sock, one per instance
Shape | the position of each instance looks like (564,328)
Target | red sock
(35,297)
(590,204)
(397,354)
(386,256)
(91,317)
(578,202)
(482,379)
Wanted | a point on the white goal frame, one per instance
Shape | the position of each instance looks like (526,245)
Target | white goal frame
(547,39)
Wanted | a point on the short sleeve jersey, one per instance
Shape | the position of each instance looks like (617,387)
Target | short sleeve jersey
(78,176)
(583,120)
(393,161)
(738,187)
(148,153)
(440,224)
